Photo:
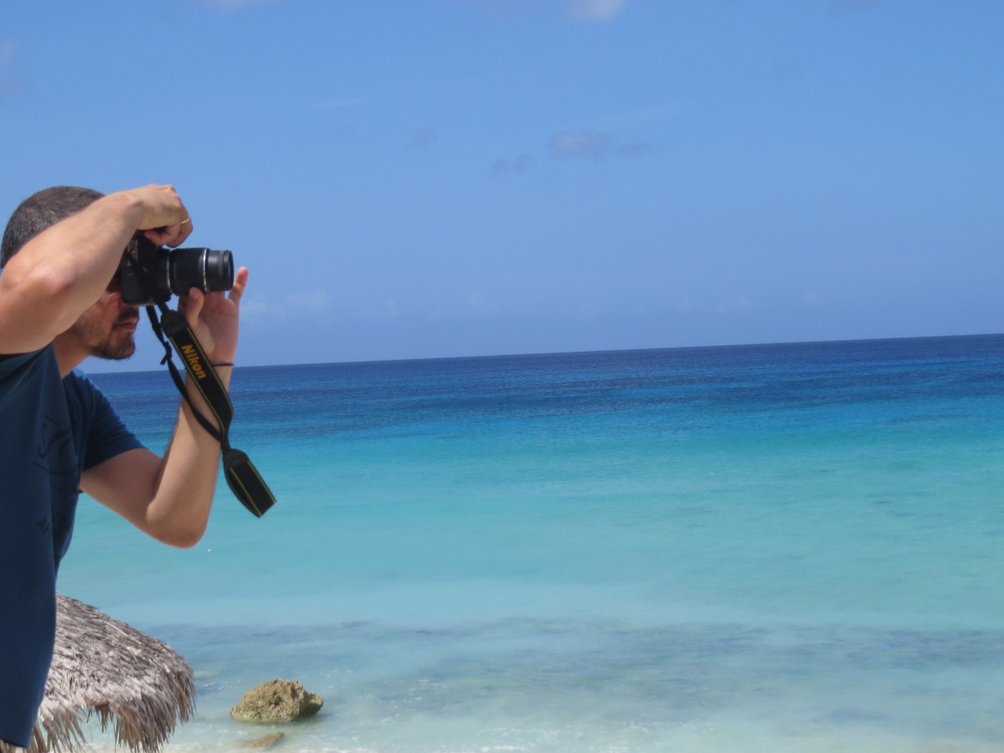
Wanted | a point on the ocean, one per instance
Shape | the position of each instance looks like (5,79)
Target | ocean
(777,548)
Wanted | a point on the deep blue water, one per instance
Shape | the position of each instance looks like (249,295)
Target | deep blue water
(780,547)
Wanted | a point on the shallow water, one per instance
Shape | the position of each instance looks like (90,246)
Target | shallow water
(766,548)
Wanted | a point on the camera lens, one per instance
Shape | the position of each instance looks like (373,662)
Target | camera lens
(219,270)
(202,268)
(150,274)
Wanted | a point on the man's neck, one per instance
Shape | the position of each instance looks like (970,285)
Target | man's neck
(68,354)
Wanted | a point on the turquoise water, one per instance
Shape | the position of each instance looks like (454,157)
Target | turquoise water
(770,548)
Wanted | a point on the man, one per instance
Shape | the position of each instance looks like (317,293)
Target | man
(60,302)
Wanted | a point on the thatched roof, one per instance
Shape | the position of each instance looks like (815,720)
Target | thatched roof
(105,667)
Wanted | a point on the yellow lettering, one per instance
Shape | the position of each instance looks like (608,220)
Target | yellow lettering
(192,356)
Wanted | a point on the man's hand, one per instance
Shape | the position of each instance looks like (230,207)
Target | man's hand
(214,317)
(165,218)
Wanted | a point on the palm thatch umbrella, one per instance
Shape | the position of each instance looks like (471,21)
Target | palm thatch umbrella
(102,666)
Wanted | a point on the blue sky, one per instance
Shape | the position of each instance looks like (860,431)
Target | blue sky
(430,178)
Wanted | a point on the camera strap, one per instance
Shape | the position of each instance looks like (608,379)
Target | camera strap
(241,475)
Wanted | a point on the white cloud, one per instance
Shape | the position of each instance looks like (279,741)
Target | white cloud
(311,301)
(590,144)
(253,308)
(594,11)
(584,143)
(305,304)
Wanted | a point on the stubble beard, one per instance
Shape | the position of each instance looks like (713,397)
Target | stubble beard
(116,345)
(113,350)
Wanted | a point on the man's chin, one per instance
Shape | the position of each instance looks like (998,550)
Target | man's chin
(118,356)
(115,352)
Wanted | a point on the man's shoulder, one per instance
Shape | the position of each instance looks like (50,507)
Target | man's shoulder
(21,370)
(79,380)
(79,388)
(11,361)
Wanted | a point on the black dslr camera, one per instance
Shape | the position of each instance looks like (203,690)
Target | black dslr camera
(151,274)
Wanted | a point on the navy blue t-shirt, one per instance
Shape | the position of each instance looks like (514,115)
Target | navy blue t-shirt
(51,430)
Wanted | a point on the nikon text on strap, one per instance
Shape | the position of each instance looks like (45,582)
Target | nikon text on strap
(242,477)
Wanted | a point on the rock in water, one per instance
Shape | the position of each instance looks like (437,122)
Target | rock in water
(276,701)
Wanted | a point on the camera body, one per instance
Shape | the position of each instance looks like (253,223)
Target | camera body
(151,274)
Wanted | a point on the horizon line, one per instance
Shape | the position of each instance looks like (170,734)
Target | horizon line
(531,354)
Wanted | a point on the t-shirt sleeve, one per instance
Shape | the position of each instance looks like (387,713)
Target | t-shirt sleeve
(108,436)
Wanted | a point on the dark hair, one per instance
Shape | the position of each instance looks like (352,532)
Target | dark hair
(41,210)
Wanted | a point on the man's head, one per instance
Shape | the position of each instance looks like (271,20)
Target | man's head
(41,210)
(106,328)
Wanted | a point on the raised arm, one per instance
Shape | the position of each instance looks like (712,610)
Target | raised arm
(60,272)
(170,498)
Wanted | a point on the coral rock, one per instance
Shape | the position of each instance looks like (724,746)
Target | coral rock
(276,701)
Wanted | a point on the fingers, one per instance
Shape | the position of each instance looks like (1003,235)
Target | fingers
(165,221)
(191,306)
(182,230)
(171,235)
(240,284)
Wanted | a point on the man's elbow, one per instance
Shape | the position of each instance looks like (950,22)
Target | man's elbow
(181,536)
